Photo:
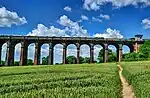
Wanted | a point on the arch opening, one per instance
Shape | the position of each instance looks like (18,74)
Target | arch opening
(3,53)
(17,54)
(125,50)
(85,53)
(98,54)
(71,54)
(112,53)
(44,54)
(31,52)
(58,54)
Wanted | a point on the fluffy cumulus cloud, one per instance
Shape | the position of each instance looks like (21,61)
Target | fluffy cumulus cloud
(42,30)
(8,18)
(96,4)
(72,28)
(68,9)
(104,16)
(110,33)
(83,17)
(146,23)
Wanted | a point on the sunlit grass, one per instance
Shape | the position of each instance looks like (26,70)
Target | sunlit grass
(83,80)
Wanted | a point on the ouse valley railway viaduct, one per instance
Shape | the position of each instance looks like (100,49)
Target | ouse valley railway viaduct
(133,44)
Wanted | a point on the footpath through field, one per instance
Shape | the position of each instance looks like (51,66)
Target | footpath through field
(127,90)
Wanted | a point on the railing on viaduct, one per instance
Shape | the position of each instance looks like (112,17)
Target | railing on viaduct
(25,41)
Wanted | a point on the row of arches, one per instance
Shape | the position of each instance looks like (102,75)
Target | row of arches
(58,51)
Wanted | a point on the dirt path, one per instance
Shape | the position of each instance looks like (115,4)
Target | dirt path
(127,91)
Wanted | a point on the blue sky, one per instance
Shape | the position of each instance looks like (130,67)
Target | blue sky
(94,18)
(126,19)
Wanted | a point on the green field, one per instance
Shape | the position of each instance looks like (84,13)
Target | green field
(64,81)
(74,81)
(138,75)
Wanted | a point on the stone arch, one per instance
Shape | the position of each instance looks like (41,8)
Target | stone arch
(113,51)
(130,46)
(126,49)
(97,49)
(71,48)
(30,53)
(3,53)
(44,53)
(72,51)
(17,54)
(58,53)
(85,51)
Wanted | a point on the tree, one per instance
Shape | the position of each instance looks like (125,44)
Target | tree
(29,62)
(86,60)
(81,60)
(112,56)
(145,49)
(71,60)
(2,63)
(143,54)
(16,63)
(45,60)
(131,56)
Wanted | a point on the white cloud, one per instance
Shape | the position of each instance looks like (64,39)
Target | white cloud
(42,30)
(68,9)
(146,23)
(104,16)
(94,19)
(96,4)
(110,33)
(83,17)
(72,28)
(8,18)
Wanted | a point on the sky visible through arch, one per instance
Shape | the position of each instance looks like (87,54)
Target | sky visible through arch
(88,18)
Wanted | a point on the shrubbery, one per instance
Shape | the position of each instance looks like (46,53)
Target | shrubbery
(143,54)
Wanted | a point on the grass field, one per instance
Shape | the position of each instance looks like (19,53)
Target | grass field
(138,75)
(65,81)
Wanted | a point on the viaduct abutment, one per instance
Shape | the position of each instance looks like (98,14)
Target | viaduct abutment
(133,44)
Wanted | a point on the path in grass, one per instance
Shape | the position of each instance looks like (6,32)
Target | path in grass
(127,90)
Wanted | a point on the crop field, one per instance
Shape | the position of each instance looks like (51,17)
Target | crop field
(64,81)
(138,75)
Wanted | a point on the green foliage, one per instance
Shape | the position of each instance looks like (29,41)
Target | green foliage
(81,60)
(2,63)
(112,56)
(143,54)
(145,49)
(29,62)
(86,60)
(138,75)
(67,81)
(71,60)
(45,60)
(16,63)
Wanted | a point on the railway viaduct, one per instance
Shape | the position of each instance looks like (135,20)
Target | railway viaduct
(133,44)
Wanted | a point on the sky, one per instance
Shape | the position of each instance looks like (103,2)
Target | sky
(90,18)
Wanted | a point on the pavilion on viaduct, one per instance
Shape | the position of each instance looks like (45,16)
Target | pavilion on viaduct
(133,44)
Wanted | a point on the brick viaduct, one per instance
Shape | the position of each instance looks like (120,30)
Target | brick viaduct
(133,44)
